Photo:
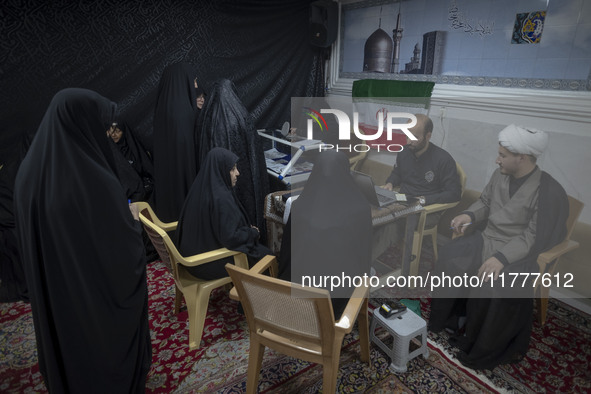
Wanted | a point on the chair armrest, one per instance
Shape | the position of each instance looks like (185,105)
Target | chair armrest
(558,250)
(432,208)
(166,226)
(356,159)
(207,257)
(352,309)
(266,263)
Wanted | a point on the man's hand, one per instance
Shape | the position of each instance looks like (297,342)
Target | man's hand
(387,186)
(490,266)
(460,223)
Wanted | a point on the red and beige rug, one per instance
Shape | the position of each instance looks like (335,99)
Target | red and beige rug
(559,358)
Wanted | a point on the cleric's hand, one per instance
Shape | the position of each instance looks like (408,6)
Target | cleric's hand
(490,266)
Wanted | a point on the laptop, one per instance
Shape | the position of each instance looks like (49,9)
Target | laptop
(376,195)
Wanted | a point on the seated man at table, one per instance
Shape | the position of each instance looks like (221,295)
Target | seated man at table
(422,170)
(525,212)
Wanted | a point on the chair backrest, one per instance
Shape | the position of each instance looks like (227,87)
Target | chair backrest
(575,207)
(162,243)
(144,208)
(287,311)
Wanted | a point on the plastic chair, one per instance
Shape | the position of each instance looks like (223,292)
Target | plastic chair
(196,291)
(145,209)
(548,261)
(421,231)
(295,320)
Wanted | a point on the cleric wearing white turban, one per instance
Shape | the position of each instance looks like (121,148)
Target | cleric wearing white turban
(521,140)
(523,212)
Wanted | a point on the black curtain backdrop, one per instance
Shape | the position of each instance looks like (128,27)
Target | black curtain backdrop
(119,48)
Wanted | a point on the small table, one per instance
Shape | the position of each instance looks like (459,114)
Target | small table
(275,207)
(403,329)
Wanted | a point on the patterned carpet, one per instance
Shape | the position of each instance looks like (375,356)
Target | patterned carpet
(559,358)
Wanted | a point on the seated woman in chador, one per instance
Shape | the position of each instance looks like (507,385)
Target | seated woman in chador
(329,231)
(213,217)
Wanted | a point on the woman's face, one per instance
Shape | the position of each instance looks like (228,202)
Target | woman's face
(234,175)
(115,133)
(200,101)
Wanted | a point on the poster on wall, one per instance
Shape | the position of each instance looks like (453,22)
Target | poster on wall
(528,28)
(467,42)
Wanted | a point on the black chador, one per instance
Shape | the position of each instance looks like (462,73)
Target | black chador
(134,165)
(331,227)
(175,159)
(224,122)
(82,253)
(213,217)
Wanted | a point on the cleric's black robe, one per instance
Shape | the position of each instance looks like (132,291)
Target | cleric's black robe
(175,159)
(499,319)
(224,122)
(213,217)
(82,253)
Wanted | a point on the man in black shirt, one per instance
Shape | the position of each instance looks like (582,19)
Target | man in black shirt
(425,171)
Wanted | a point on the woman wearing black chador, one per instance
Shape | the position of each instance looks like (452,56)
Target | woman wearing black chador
(213,217)
(225,122)
(134,165)
(175,159)
(82,253)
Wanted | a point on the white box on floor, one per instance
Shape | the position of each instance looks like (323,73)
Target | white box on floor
(403,329)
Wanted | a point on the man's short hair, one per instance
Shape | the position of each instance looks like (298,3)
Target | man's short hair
(426,122)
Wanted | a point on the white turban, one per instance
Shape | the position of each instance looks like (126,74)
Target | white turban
(520,140)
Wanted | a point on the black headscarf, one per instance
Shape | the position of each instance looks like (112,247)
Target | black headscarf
(224,122)
(199,92)
(331,225)
(213,217)
(134,165)
(175,159)
(82,253)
